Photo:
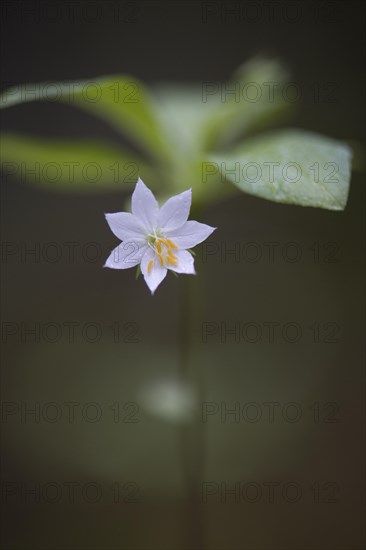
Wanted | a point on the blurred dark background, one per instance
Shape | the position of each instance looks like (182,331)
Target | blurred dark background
(164,455)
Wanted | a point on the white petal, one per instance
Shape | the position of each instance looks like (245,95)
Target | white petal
(125,226)
(185,263)
(126,255)
(144,205)
(191,234)
(157,273)
(174,212)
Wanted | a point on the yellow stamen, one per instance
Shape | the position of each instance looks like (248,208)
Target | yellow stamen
(171,255)
(149,266)
(171,244)
(172,259)
(164,251)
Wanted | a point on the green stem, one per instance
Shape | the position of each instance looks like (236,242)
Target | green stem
(192,433)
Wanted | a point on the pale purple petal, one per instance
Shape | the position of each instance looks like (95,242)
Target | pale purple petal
(126,226)
(185,263)
(144,205)
(175,211)
(191,234)
(157,273)
(127,254)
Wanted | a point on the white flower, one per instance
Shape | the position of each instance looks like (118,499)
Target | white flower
(157,238)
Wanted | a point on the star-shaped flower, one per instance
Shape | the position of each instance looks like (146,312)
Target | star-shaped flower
(157,238)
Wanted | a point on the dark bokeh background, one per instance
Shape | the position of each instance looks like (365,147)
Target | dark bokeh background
(169,41)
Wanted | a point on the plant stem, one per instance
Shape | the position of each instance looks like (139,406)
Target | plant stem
(192,433)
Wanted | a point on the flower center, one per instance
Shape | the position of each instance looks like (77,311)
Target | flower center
(164,250)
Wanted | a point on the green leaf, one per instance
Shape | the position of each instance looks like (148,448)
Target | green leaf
(183,114)
(69,165)
(256,97)
(183,117)
(122,101)
(290,166)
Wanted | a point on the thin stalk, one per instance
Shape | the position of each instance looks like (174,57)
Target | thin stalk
(192,433)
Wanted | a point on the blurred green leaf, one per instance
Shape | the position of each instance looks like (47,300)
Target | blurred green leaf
(122,101)
(253,99)
(183,115)
(181,126)
(290,166)
(68,165)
